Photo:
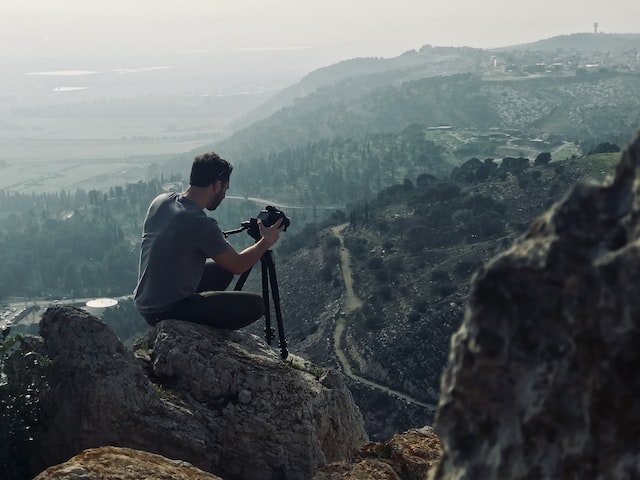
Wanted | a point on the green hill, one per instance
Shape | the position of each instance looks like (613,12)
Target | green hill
(325,152)
(348,130)
(413,251)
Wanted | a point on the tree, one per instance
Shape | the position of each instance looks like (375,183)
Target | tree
(605,147)
(543,159)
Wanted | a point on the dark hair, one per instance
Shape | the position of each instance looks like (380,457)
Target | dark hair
(208,168)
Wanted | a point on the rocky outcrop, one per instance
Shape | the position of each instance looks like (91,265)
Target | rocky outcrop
(223,401)
(123,464)
(408,456)
(542,380)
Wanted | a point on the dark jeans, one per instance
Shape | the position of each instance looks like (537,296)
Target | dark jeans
(213,306)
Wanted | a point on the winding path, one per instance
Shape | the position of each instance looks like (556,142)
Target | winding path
(351,305)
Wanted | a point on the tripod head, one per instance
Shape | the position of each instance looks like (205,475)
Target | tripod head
(268,216)
(251,225)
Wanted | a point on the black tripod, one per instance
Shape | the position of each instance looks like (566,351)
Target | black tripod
(268,278)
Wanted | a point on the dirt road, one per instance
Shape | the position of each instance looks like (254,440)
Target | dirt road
(351,305)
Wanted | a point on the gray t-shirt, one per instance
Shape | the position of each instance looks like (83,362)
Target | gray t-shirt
(177,238)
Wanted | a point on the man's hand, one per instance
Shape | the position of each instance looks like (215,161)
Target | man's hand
(270,234)
(238,263)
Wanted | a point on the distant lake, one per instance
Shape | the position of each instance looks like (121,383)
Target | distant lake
(82,73)
(64,73)
(75,73)
(69,89)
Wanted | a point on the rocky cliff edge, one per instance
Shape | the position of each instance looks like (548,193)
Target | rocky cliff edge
(223,401)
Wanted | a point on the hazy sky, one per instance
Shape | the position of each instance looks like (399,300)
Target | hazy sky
(334,29)
(243,45)
(116,49)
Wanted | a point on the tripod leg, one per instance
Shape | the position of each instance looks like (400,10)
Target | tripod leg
(268,331)
(241,280)
(275,292)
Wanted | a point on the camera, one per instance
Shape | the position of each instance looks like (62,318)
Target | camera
(268,216)
(271,215)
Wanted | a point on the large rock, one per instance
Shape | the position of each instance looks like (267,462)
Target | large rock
(542,380)
(408,456)
(124,464)
(223,401)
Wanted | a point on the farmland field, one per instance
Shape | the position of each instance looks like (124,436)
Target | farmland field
(65,154)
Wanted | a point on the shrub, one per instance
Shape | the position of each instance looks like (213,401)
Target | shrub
(22,384)
(332,242)
(439,275)
(375,263)
(382,275)
(605,147)
(425,179)
(420,304)
(514,165)
(395,265)
(464,268)
(374,322)
(383,293)
(357,246)
(467,171)
(326,273)
(446,289)
(542,159)
(417,237)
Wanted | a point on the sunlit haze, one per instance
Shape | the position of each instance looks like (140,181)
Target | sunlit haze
(326,31)
(75,70)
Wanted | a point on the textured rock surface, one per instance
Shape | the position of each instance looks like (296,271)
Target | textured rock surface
(408,456)
(543,377)
(123,464)
(222,401)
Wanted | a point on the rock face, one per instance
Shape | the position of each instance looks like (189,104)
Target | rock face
(123,464)
(542,380)
(220,400)
(408,456)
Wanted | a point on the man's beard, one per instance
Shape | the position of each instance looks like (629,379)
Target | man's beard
(217,200)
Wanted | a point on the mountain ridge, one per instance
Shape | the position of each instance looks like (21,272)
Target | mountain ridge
(418,60)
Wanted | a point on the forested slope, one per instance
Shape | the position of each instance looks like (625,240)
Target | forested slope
(414,249)
(575,108)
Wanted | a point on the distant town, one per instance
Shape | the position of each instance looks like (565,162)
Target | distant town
(568,55)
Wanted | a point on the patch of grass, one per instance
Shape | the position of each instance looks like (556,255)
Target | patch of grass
(298,363)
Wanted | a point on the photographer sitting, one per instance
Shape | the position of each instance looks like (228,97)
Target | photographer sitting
(175,280)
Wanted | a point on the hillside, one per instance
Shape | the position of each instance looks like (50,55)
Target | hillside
(338,152)
(582,42)
(349,130)
(430,61)
(575,108)
(346,85)
(369,73)
(413,251)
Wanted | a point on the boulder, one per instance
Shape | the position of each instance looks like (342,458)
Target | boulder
(542,380)
(408,456)
(223,401)
(123,464)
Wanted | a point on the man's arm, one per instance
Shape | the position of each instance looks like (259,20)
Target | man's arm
(238,263)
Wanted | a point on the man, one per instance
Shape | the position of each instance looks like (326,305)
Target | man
(175,280)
